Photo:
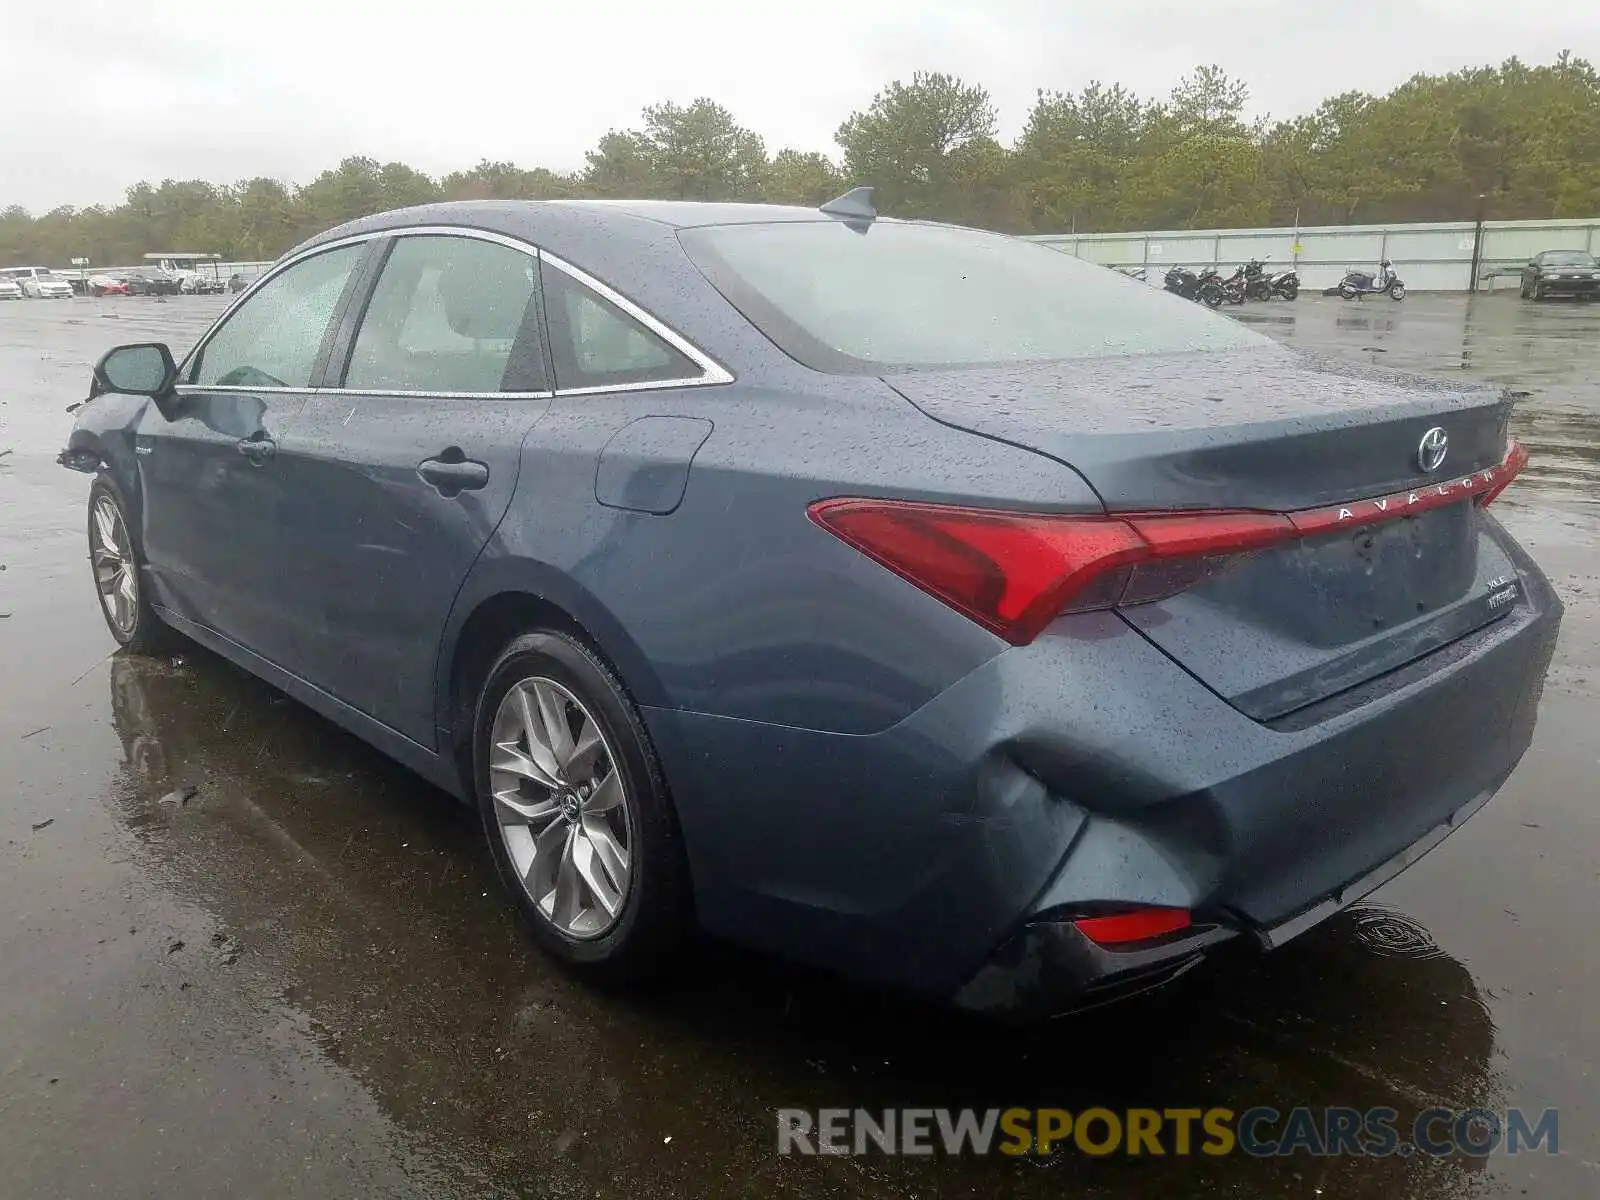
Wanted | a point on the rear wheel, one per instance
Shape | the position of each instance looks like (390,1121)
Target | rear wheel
(116,562)
(1211,296)
(1347,291)
(576,812)
(1291,290)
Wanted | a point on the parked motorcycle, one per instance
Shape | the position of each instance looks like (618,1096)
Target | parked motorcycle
(1359,283)
(1261,286)
(1234,286)
(1205,288)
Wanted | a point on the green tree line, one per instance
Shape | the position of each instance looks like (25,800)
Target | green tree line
(1527,138)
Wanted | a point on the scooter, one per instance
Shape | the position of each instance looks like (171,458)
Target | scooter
(1359,283)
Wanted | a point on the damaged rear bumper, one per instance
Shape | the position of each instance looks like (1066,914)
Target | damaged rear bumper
(1049,968)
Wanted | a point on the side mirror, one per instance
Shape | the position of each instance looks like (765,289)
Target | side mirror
(141,369)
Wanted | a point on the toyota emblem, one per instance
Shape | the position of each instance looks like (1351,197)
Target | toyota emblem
(1432,449)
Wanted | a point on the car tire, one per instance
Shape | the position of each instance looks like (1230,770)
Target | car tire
(116,561)
(555,835)
(1538,293)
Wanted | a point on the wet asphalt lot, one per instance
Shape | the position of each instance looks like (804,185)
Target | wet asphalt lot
(243,955)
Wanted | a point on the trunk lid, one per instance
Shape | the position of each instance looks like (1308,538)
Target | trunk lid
(1278,430)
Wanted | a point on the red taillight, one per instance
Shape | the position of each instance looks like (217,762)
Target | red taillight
(1136,925)
(1014,573)
(1516,459)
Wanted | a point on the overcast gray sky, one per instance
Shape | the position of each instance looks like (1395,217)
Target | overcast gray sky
(103,93)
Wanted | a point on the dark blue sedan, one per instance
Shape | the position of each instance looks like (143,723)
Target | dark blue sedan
(901,598)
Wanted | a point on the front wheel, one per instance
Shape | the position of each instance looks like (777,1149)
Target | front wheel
(115,560)
(1397,291)
(576,812)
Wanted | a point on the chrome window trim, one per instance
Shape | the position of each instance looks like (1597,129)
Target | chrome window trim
(404,394)
(186,388)
(712,372)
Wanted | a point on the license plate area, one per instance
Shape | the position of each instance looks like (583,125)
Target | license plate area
(1351,585)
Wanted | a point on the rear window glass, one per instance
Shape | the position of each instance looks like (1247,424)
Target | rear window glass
(856,298)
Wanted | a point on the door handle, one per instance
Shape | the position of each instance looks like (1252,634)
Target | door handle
(257,448)
(452,472)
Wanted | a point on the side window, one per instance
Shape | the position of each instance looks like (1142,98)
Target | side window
(450,314)
(272,339)
(595,344)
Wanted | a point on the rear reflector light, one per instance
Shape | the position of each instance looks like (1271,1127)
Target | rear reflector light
(1139,925)
(1014,573)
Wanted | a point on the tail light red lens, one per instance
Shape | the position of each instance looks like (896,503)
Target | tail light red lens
(1014,573)
(1135,925)
(1516,459)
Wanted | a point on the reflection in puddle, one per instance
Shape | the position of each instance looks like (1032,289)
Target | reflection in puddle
(361,900)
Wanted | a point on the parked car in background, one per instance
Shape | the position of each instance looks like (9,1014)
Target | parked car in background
(10,289)
(1561,273)
(41,283)
(150,281)
(912,600)
(106,285)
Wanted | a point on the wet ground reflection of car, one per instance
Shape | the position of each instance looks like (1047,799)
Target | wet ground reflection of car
(318,851)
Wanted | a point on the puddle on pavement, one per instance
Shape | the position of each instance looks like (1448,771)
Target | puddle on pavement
(359,899)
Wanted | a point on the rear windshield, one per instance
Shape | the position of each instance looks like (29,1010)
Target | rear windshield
(890,296)
(1567,258)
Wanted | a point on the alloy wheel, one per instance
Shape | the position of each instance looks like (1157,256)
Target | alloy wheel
(116,575)
(562,807)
